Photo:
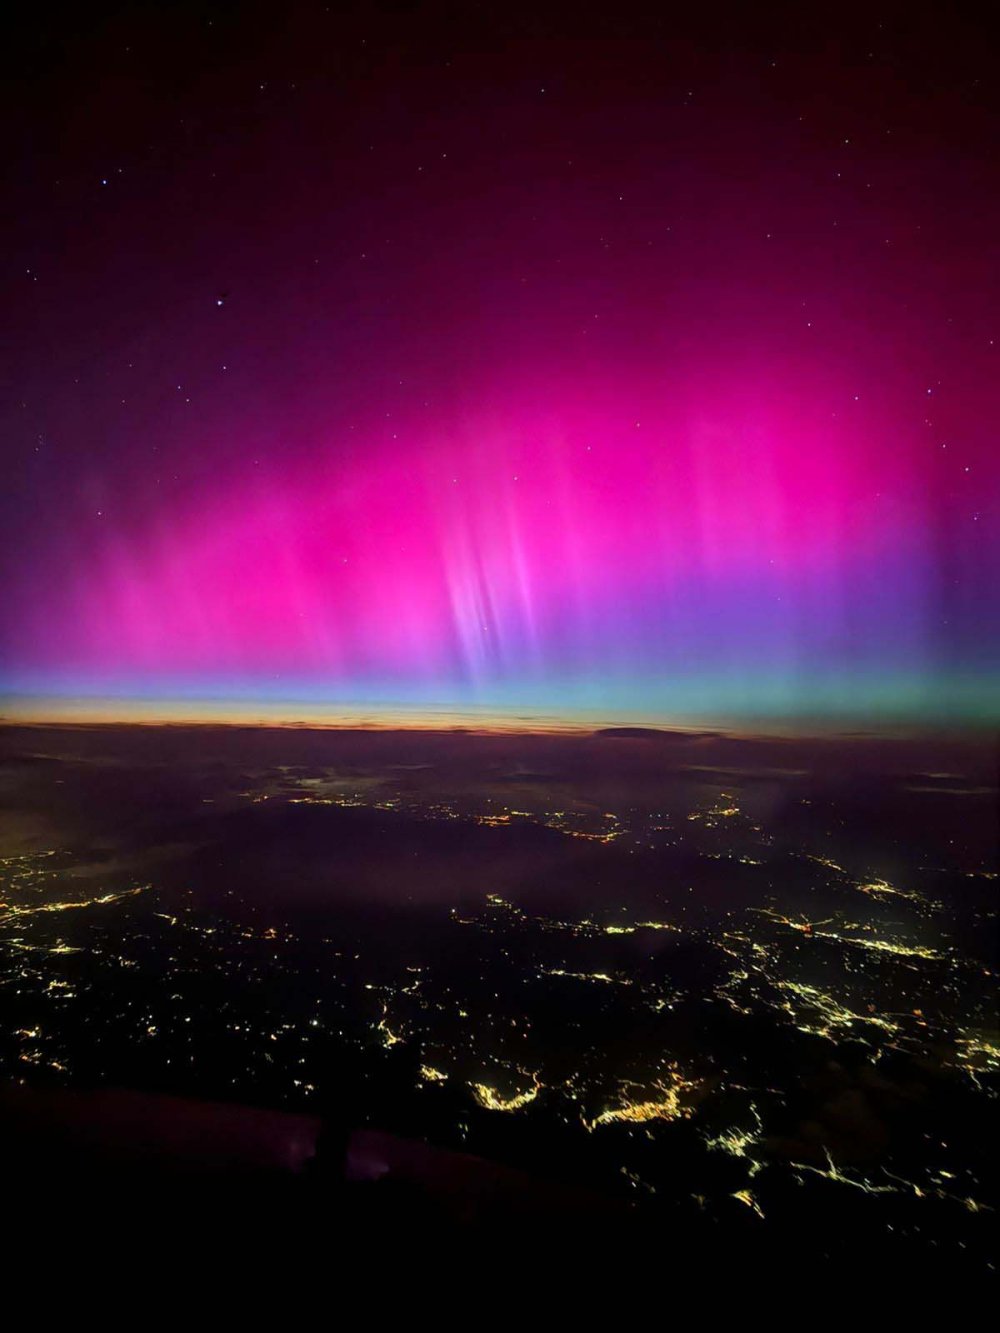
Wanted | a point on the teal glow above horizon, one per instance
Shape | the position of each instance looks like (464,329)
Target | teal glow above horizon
(876,699)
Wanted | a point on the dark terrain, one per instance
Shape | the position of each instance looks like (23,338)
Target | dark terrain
(700,985)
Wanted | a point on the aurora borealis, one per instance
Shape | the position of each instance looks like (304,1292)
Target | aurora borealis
(463,363)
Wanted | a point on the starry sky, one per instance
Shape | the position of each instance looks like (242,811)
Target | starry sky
(479,357)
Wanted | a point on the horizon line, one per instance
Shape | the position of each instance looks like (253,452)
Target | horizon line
(110,711)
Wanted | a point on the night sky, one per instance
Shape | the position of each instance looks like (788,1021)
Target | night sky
(441,357)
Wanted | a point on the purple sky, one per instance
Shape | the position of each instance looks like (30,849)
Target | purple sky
(374,357)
